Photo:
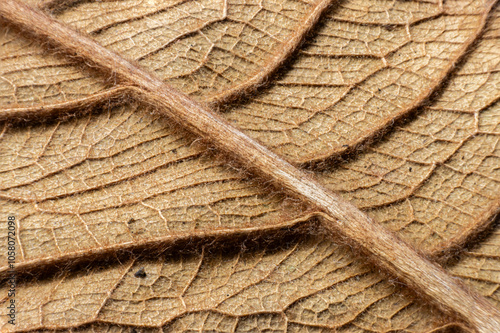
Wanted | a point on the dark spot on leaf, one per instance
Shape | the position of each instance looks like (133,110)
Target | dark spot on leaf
(141,273)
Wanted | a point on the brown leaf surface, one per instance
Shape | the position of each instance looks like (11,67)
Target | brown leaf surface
(295,285)
(122,177)
(119,177)
(479,266)
(435,179)
(210,49)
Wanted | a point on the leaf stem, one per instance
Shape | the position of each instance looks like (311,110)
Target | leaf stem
(344,219)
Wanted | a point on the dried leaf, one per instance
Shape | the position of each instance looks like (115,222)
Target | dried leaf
(136,225)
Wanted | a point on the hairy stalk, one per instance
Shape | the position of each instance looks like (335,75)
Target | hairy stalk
(342,218)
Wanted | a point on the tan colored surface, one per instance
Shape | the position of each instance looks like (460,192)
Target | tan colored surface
(120,177)
(306,284)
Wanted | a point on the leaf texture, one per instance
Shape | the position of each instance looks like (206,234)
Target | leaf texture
(356,75)
(205,48)
(140,179)
(393,105)
(242,290)
(435,179)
